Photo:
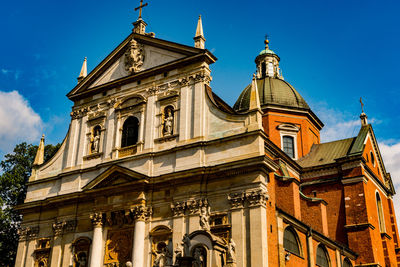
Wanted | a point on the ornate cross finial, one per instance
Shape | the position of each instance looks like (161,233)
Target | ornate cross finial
(140,8)
(362,105)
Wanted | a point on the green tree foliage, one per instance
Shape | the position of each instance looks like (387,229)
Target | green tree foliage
(16,169)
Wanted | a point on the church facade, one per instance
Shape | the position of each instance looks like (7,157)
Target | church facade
(157,170)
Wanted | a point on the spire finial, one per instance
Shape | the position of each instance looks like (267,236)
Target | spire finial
(199,40)
(266,42)
(363,116)
(83,72)
(39,158)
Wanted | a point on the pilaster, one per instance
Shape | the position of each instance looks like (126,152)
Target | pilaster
(149,123)
(56,251)
(238,222)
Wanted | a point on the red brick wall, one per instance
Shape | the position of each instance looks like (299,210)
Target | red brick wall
(307,136)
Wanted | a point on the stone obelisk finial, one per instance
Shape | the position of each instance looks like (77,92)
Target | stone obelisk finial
(83,72)
(199,40)
(39,158)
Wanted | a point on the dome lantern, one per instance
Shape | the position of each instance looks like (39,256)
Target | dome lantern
(268,63)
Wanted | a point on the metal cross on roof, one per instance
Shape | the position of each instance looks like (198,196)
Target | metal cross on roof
(140,8)
(362,105)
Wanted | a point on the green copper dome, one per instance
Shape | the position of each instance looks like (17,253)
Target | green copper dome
(266,51)
(272,92)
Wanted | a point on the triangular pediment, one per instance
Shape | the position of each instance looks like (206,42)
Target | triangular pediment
(115,176)
(131,58)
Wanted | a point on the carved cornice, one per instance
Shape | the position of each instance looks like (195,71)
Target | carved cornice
(253,198)
(97,219)
(28,233)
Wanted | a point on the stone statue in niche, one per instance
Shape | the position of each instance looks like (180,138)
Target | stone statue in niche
(199,257)
(205,217)
(186,245)
(81,259)
(163,255)
(134,57)
(178,251)
(168,121)
(231,253)
(95,140)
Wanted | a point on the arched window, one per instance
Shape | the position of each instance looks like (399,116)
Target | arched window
(372,158)
(380,213)
(290,241)
(288,145)
(130,132)
(347,263)
(322,256)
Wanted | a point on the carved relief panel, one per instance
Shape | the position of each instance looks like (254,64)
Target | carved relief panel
(118,248)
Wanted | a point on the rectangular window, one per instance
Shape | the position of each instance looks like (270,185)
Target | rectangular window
(288,145)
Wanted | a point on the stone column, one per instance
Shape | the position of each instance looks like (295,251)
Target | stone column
(56,251)
(258,227)
(97,241)
(140,213)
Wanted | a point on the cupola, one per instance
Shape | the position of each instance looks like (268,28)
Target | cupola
(268,63)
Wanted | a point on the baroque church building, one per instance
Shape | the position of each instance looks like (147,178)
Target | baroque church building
(156,170)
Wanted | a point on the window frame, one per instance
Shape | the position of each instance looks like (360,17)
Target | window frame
(124,133)
(325,251)
(297,239)
(379,210)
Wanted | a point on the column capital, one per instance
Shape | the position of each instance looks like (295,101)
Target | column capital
(27,233)
(141,213)
(257,197)
(97,219)
(58,228)
(237,200)
(252,197)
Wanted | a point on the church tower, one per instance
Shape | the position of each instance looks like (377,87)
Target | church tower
(287,119)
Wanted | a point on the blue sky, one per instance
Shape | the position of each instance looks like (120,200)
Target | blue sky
(333,52)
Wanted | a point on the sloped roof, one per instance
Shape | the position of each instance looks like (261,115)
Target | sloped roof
(326,153)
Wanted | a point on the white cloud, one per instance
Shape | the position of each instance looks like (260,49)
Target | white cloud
(349,124)
(391,157)
(18,121)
